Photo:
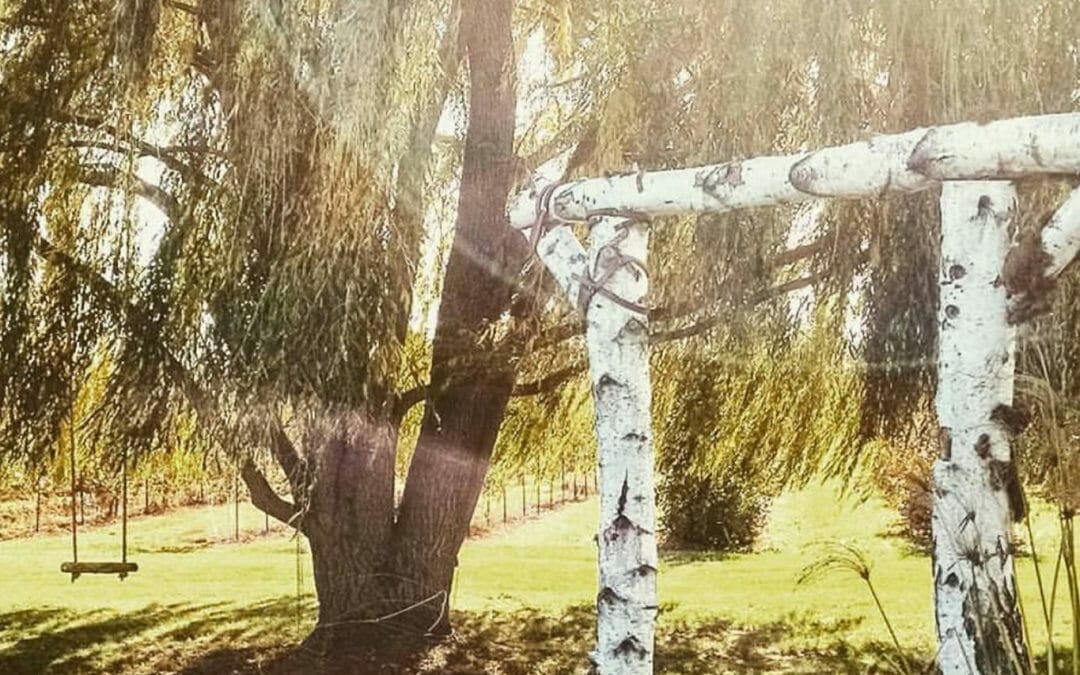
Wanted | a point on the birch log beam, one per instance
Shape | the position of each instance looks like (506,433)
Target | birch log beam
(906,162)
(978,620)
(1036,261)
(617,339)
(1061,235)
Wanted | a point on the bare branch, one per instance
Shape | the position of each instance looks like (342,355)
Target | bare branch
(548,382)
(110,177)
(710,322)
(183,7)
(126,142)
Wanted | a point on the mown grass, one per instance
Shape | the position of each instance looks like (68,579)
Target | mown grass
(523,599)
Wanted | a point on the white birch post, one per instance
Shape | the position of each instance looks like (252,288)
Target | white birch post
(617,339)
(978,621)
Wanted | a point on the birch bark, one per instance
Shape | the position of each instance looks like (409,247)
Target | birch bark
(906,162)
(617,340)
(1061,235)
(978,620)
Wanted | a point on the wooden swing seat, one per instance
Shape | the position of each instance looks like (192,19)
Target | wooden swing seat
(77,568)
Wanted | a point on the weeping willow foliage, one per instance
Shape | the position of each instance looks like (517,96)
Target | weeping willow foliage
(278,144)
(780,408)
(271,270)
(547,435)
(1049,389)
(708,82)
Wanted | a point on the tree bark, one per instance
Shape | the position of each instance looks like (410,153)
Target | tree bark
(346,511)
(978,620)
(462,417)
(617,337)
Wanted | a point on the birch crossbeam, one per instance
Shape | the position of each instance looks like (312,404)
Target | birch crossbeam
(906,162)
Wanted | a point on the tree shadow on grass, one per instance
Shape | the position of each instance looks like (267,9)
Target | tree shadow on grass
(154,639)
(531,641)
(50,639)
(262,637)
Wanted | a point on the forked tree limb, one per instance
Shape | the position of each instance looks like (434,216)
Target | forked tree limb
(266,499)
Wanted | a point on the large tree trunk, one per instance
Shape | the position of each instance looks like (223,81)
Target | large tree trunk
(976,494)
(349,520)
(463,415)
(343,488)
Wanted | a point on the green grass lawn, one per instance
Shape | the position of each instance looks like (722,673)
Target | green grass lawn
(523,598)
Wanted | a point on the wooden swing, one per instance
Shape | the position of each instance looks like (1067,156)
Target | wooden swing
(76,568)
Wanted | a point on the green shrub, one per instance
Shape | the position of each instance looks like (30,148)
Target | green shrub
(719,512)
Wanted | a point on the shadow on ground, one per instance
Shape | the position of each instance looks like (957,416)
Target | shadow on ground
(262,638)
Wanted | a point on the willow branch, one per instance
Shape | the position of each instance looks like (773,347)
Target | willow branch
(110,177)
(129,142)
(549,382)
(264,498)
(286,456)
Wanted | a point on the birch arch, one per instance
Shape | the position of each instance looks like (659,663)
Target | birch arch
(989,281)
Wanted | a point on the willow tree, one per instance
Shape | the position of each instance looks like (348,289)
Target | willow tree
(265,291)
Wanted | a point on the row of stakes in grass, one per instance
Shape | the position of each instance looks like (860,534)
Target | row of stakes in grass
(577,489)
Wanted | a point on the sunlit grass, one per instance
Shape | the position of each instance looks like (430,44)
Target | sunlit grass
(523,598)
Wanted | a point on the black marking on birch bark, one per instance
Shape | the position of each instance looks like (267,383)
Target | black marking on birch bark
(952,311)
(631,645)
(635,437)
(644,569)
(919,161)
(1001,553)
(985,206)
(619,526)
(1036,153)
(634,329)
(945,443)
(729,174)
(982,446)
(1013,419)
(622,496)
(608,596)
(606,381)
(956,272)
(952,581)
(968,519)
(998,641)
